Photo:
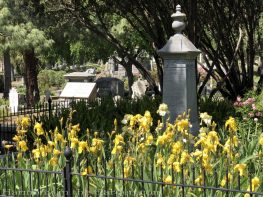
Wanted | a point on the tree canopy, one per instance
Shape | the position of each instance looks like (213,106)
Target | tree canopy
(227,37)
(20,33)
(93,29)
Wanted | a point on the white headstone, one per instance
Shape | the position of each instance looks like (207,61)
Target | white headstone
(78,90)
(91,71)
(13,100)
(139,88)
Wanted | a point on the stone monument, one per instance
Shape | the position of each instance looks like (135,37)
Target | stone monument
(13,100)
(179,80)
(139,88)
(79,90)
(110,87)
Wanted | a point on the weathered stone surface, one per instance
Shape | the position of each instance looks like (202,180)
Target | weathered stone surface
(179,81)
(139,88)
(110,86)
(79,90)
(80,77)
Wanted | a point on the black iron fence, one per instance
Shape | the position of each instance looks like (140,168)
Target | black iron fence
(102,180)
(8,117)
(46,108)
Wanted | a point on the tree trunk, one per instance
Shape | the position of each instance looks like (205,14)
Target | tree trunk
(128,69)
(32,92)
(250,60)
(7,74)
(260,73)
(192,20)
(159,64)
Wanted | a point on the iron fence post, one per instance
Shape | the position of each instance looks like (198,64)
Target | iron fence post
(67,173)
(49,107)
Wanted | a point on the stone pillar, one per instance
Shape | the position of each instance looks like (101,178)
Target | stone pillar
(179,79)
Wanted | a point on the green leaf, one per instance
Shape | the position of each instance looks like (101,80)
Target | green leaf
(244,160)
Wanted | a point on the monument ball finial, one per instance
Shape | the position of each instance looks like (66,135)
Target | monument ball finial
(178,23)
(178,8)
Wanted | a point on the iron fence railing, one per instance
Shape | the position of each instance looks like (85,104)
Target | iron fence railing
(112,181)
(46,108)
(9,117)
(25,182)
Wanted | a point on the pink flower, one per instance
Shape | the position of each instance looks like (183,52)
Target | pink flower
(249,101)
(238,102)
(238,99)
(258,114)
(253,106)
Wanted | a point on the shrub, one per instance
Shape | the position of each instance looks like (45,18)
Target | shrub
(21,89)
(220,109)
(98,115)
(48,78)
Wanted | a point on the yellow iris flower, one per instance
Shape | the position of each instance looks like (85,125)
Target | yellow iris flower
(8,146)
(74,142)
(38,129)
(25,122)
(240,168)
(53,161)
(118,140)
(36,153)
(56,152)
(261,140)
(22,144)
(87,171)
(231,124)
(83,145)
(168,179)
(163,109)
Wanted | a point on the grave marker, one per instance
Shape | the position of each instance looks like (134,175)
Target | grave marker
(179,79)
(78,90)
(139,88)
(13,100)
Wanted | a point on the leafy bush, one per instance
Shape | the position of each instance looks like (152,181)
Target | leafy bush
(100,115)
(4,106)
(249,113)
(3,102)
(48,78)
(21,89)
(220,109)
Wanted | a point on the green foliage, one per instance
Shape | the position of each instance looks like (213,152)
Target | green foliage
(249,112)
(21,89)
(3,102)
(18,32)
(137,153)
(48,78)
(220,109)
(99,115)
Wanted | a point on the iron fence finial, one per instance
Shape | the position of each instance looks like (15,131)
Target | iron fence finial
(68,153)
